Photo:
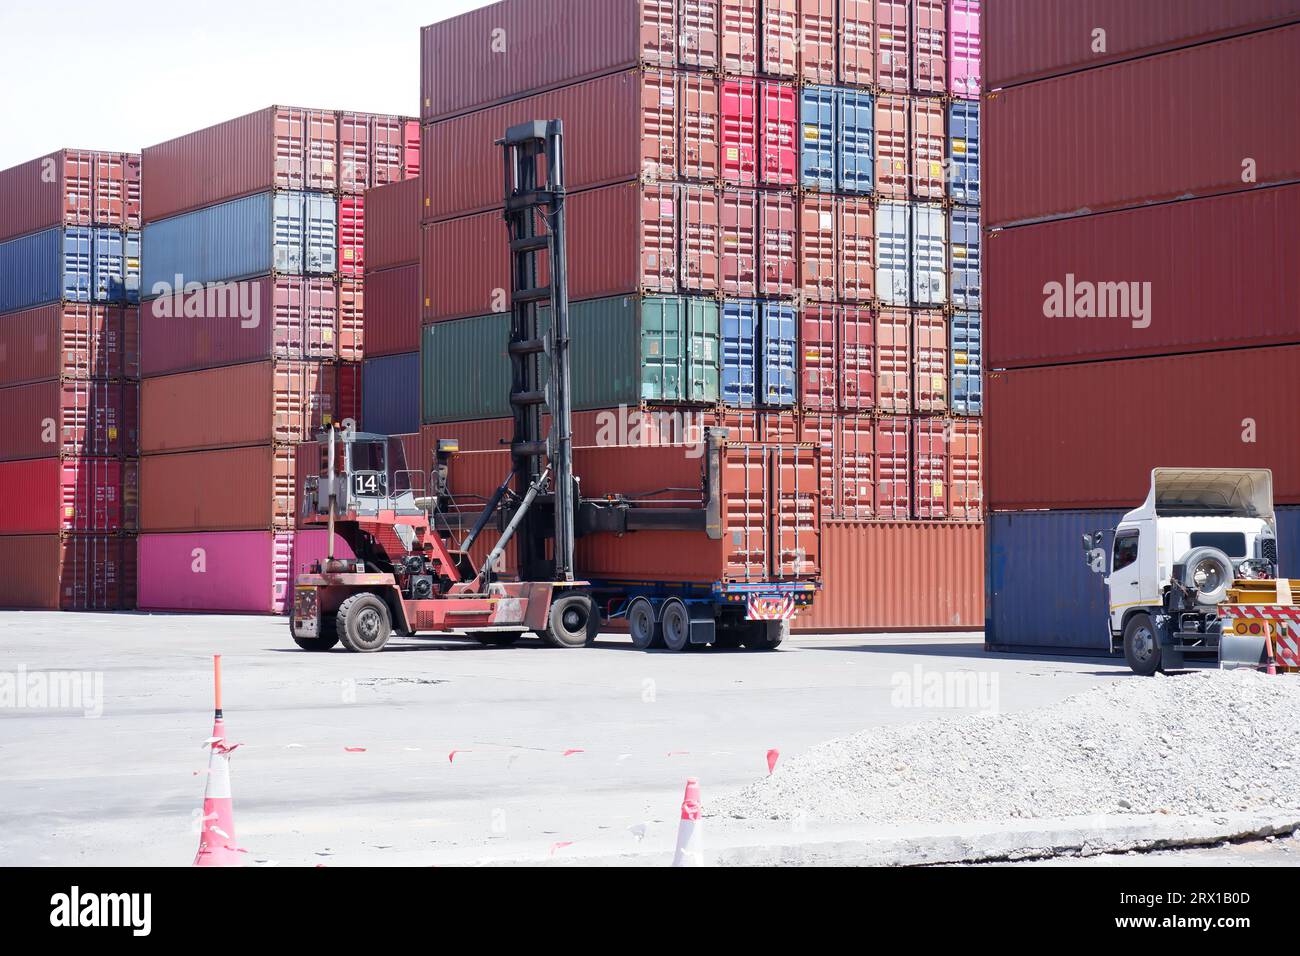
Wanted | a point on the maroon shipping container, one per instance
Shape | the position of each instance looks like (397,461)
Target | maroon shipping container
(69,340)
(520,47)
(929,148)
(348,392)
(79,572)
(893,49)
(70,187)
(375,150)
(1050,146)
(237,323)
(236,405)
(894,361)
(1094,441)
(930,46)
(1029,39)
(280,147)
(53,495)
(392,234)
(1179,277)
(622,239)
(930,362)
(893,157)
(229,489)
(69,417)
(393,311)
(819,30)
(857,41)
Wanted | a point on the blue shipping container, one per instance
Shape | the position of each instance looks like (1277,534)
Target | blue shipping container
(76,264)
(1288,542)
(287,233)
(780,348)
(739,348)
(967,364)
(817,118)
(838,134)
(857,141)
(964,236)
(390,394)
(964,151)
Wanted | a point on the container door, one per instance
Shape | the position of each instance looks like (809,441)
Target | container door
(659,125)
(967,364)
(700,150)
(822,429)
(795,498)
(778,243)
(110,189)
(857,250)
(966,259)
(930,361)
(388,150)
(930,46)
(818,33)
(817,125)
(780,26)
(930,496)
(892,246)
(857,37)
(892,155)
(740,242)
(964,152)
(355,155)
(745,509)
(698,35)
(965,471)
(818,246)
(352,233)
(740,132)
(857,135)
(658,32)
(964,49)
(892,48)
(322,150)
(856,359)
(930,256)
(131,254)
(347,336)
(109,268)
(659,239)
(79,193)
(780,134)
(703,351)
(740,37)
(893,469)
(780,348)
(739,344)
(79,260)
(929,149)
(856,468)
(661,349)
(819,359)
(894,361)
(321,229)
(701,238)
(289,230)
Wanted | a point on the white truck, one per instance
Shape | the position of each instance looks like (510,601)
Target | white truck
(1203,541)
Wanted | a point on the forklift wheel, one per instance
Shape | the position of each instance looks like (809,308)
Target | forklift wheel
(1142,645)
(364,623)
(574,621)
(322,643)
(499,638)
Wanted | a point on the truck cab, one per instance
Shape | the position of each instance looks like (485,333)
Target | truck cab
(1173,560)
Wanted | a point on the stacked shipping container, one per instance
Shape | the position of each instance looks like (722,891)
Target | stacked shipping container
(1139,275)
(69,365)
(761,200)
(252,338)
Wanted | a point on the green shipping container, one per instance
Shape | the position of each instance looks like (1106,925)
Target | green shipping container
(465,369)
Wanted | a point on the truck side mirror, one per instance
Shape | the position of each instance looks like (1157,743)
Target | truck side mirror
(1094,551)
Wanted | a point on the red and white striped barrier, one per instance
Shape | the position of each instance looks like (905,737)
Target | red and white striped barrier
(1286,647)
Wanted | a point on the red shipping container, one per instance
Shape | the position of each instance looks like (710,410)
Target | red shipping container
(1179,277)
(701,220)
(392,236)
(348,402)
(893,156)
(930,46)
(856,471)
(893,51)
(376,149)
(227,489)
(823,430)
(53,495)
(894,361)
(740,37)
(778,243)
(510,49)
(740,240)
(699,35)
(857,358)
(70,187)
(779,143)
(930,361)
(780,37)
(1061,168)
(621,239)
(781,427)
(700,151)
(819,358)
(236,405)
(819,33)
(857,42)
(233,324)
(81,572)
(929,148)
(966,470)
(949,474)
(1028,39)
(69,340)
(930,469)
(280,147)
(392,320)
(1093,439)
(893,461)
(69,418)
(352,236)
(856,249)
(351,335)
(819,246)
(739,122)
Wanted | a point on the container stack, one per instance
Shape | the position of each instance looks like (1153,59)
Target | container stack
(69,370)
(1140,276)
(252,339)
(759,219)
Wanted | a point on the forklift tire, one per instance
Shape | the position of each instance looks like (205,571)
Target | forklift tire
(642,625)
(365,624)
(766,635)
(574,621)
(328,638)
(1142,645)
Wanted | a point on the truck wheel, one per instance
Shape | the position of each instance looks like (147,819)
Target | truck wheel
(364,624)
(499,638)
(1141,645)
(766,635)
(641,624)
(676,623)
(574,621)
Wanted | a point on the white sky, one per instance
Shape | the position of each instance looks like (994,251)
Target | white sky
(122,76)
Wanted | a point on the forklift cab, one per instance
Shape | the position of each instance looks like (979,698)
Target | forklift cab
(368,475)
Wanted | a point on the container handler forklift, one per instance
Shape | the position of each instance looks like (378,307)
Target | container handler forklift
(412,572)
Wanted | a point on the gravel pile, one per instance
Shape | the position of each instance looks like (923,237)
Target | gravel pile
(1211,741)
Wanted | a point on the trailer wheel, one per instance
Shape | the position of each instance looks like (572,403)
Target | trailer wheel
(365,624)
(641,624)
(574,621)
(766,635)
(1141,645)
(675,620)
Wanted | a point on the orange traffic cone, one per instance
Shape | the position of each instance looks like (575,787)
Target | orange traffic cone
(690,832)
(217,845)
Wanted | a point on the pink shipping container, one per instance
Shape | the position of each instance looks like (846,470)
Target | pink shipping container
(70,187)
(1150,281)
(54,495)
(931,364)
(228,489)
(930,46)
(964,70)
(893,49)
(894,361)
(929,148)
(739,131)
(352,236)
(779,142)
(79,572)
(69,418)
(375,150)
(239,572)
(893,155)
(857,41)
(1050,145)
(273,317)
(69,340)
(393,311)
(392,234)
(819,29)
(1029,39)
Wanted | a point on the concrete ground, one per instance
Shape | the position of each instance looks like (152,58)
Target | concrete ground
(347,759)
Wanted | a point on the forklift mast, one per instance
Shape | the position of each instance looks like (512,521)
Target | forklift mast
(535,217)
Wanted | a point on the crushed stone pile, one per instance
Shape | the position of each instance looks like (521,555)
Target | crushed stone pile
(1194,744)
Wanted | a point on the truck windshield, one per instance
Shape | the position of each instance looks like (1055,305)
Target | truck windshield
(368,456)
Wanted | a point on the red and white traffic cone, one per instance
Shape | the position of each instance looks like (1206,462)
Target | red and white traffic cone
(217,845)
(690,832)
